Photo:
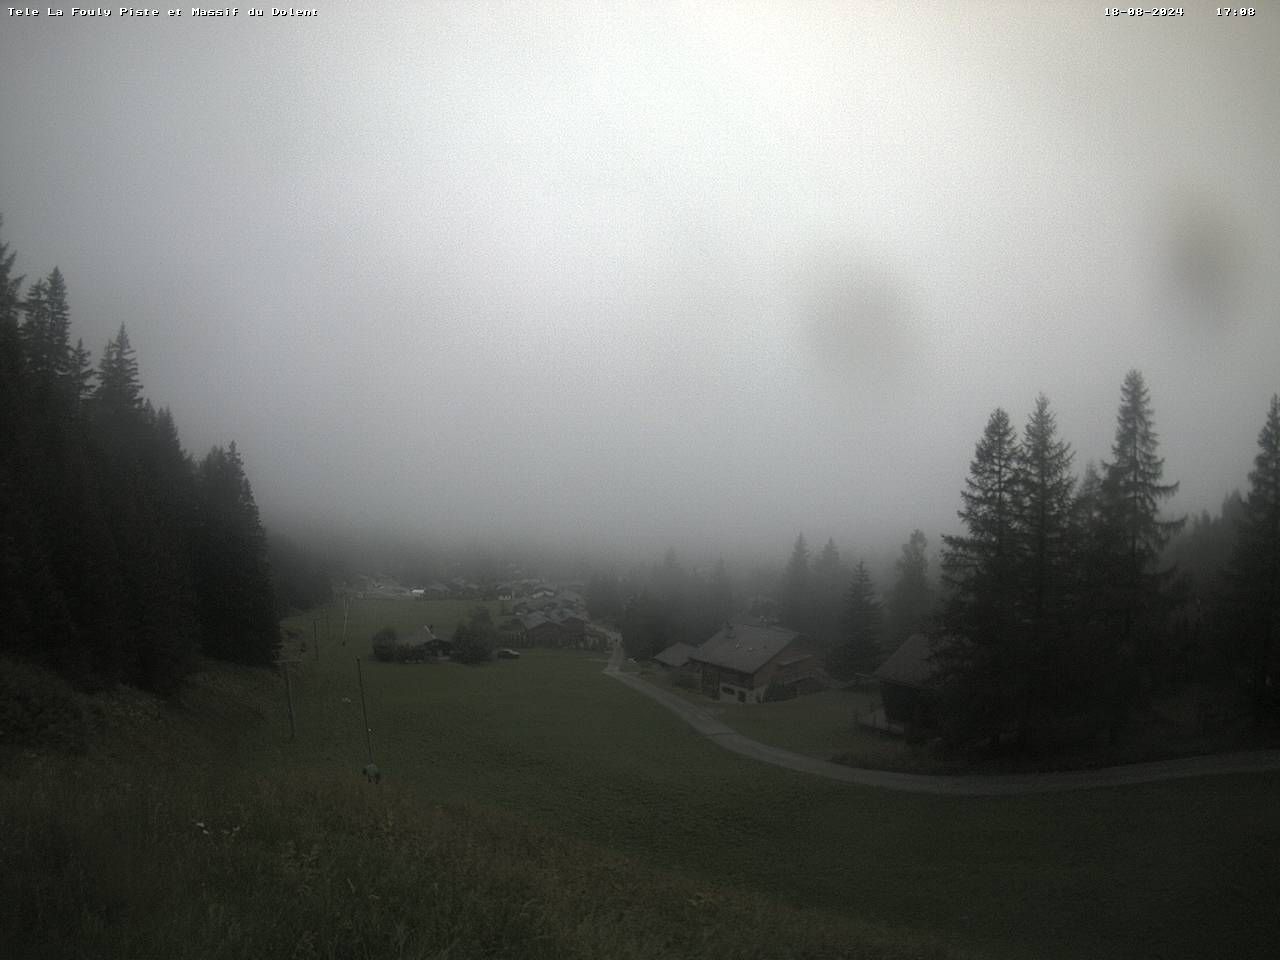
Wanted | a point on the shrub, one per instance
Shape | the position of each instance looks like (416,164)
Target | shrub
(473,642)
(39,708)
(386,644)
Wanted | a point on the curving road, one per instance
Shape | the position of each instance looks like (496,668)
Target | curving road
(964,785)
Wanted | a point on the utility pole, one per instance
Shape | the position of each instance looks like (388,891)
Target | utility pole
(364,710)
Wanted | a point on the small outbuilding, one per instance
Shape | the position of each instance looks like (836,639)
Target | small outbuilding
(908,687)
(674,657)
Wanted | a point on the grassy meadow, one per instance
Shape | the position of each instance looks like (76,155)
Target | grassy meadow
(818,725)
(535,808)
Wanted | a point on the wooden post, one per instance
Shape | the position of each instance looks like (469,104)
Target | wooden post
(364,710)
(346,612)
(315,637)
(288,692)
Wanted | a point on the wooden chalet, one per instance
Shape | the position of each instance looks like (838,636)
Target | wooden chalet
(741,661)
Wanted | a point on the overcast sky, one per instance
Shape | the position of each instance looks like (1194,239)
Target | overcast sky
(641,274)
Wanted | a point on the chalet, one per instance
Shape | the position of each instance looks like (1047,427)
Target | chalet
(908,687)
(436,644)
(540,631)
(744,660)
(573,628)
(435,591)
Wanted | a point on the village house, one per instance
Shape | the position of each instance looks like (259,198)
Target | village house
(573,628)
(742,661)
(436,644)
(540,631)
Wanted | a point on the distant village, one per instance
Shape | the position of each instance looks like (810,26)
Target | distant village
(535,613)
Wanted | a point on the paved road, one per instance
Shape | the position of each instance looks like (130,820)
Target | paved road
(966,785)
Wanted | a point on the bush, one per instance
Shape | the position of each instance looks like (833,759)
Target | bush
(473,642)
(386,644)
(39,708)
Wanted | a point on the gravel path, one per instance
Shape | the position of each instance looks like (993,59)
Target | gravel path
(963,785)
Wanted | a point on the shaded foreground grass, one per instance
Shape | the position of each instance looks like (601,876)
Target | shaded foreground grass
(253,867)
(629,835)
(116,855)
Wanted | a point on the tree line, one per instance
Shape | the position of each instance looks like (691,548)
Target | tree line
(1065,602)
(122,558)
(1061,599)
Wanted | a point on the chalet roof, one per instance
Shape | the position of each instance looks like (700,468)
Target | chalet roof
(909,665)
(676,655)
(743,647)
(531,620)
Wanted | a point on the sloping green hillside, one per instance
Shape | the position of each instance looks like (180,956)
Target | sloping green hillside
(535,808)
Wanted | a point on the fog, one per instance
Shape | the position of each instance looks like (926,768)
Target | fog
(629,276)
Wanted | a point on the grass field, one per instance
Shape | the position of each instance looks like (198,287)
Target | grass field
(365,616)
(819,725)
(626,834)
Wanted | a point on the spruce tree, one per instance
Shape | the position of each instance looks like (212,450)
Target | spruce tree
(862,627)
(1046,505)
(1132,493)
(1255,565)
(828,579)
(795,587)
(1043,668)
(118,385)
(911,599)
(979,565)
(233,579)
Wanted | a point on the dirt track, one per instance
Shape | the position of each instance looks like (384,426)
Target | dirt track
(966,785)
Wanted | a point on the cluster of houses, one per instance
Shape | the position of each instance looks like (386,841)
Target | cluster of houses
(545,617)
(548,617)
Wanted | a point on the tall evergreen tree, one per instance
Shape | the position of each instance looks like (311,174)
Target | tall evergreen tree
(1044,672)
(979,565)
(1256,566)
(911,599)
(828,580)
(1132,492)
(863,628)
(1045,524)
(233,578)
(80,375)
(795,587)
(118,385)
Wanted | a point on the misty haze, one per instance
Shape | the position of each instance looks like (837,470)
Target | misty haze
(572,480)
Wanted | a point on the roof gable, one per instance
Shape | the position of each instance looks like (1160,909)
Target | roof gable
(676,655)
(909,665)
(744,647)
